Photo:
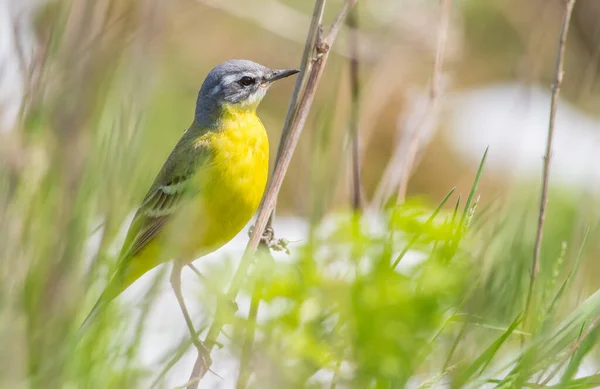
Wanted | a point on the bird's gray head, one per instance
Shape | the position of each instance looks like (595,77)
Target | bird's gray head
(239,82)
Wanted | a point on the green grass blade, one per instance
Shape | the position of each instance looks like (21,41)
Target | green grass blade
(483,361)
(548,345)
(469,202)
(428,222)
(577,358)
(567,282)
(456,207)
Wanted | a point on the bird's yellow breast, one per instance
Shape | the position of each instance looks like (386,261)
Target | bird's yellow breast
(231,183)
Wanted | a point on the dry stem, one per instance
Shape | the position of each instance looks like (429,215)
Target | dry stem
(245,359)
(434,93)
(371,46)
(355,87)
(558,77)
(405,152)
(317,51)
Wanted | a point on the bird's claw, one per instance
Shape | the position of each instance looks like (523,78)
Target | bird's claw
(203,362)
(267,236)
(203,352)
(268,239)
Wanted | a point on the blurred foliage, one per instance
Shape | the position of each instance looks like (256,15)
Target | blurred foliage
(342,301)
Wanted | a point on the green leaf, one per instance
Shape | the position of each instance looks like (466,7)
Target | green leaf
(427,223)
(577,357)
(483,361)
(469,203)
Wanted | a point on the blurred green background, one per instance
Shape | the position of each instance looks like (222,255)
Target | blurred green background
(94,95)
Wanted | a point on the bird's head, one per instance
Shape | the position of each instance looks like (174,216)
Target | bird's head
(239,83)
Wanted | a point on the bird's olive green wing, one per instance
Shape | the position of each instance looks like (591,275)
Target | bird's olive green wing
(166,195)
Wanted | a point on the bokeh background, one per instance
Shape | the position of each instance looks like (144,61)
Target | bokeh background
(500,57)
(115,82)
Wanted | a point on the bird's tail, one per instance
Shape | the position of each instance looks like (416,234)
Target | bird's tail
(90,317)
(125,275)
(109,294)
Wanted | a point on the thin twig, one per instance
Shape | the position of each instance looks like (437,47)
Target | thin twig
(245,368)
(353,127)
(558,77)
(434,94)
(406,150)
(316,53)
(289,23)
(301,81)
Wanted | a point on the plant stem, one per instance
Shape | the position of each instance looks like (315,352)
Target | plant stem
(558,78)
(245,360)
(353,125)
(315,57)
(434,94)
(574,347)
(398,170)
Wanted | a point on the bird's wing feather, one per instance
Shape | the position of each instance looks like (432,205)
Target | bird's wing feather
(166,195)
(162,202)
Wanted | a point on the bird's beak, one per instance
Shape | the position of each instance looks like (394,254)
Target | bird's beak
(279,74)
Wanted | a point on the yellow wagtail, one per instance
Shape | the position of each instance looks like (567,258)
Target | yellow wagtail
(210,185)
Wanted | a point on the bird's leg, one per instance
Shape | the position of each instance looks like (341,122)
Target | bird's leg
(176,285)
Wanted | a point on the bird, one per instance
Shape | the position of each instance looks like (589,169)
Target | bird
(208,188)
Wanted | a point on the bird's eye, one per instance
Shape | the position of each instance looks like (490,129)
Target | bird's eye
(246,81)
